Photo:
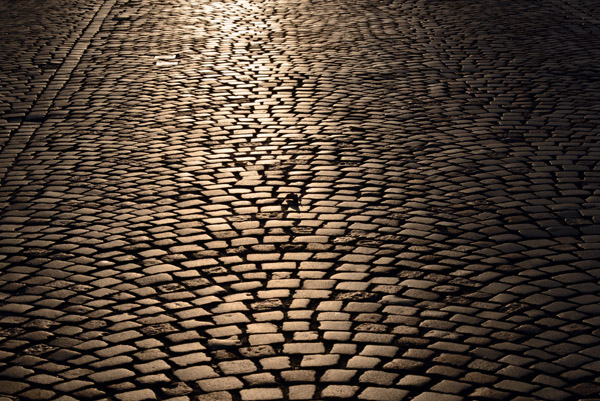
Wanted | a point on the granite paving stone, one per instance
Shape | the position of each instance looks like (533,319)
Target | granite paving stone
(220,384)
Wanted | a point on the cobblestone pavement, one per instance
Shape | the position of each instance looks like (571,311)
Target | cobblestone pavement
(300,200)
(35,39)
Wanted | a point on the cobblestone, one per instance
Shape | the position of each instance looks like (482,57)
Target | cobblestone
(275,200)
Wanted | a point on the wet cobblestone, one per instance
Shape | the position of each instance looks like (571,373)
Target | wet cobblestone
(274,200)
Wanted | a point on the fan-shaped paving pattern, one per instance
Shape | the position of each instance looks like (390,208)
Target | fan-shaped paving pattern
(374,200)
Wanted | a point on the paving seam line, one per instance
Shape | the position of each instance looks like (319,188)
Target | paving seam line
(589,22)
(38,112)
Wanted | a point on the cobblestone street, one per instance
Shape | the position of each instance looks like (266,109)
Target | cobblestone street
(248,200)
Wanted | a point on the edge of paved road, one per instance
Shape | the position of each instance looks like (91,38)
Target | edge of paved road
(587,20)
(17,142)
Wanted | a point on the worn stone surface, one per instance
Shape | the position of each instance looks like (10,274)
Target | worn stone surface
(277,200)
